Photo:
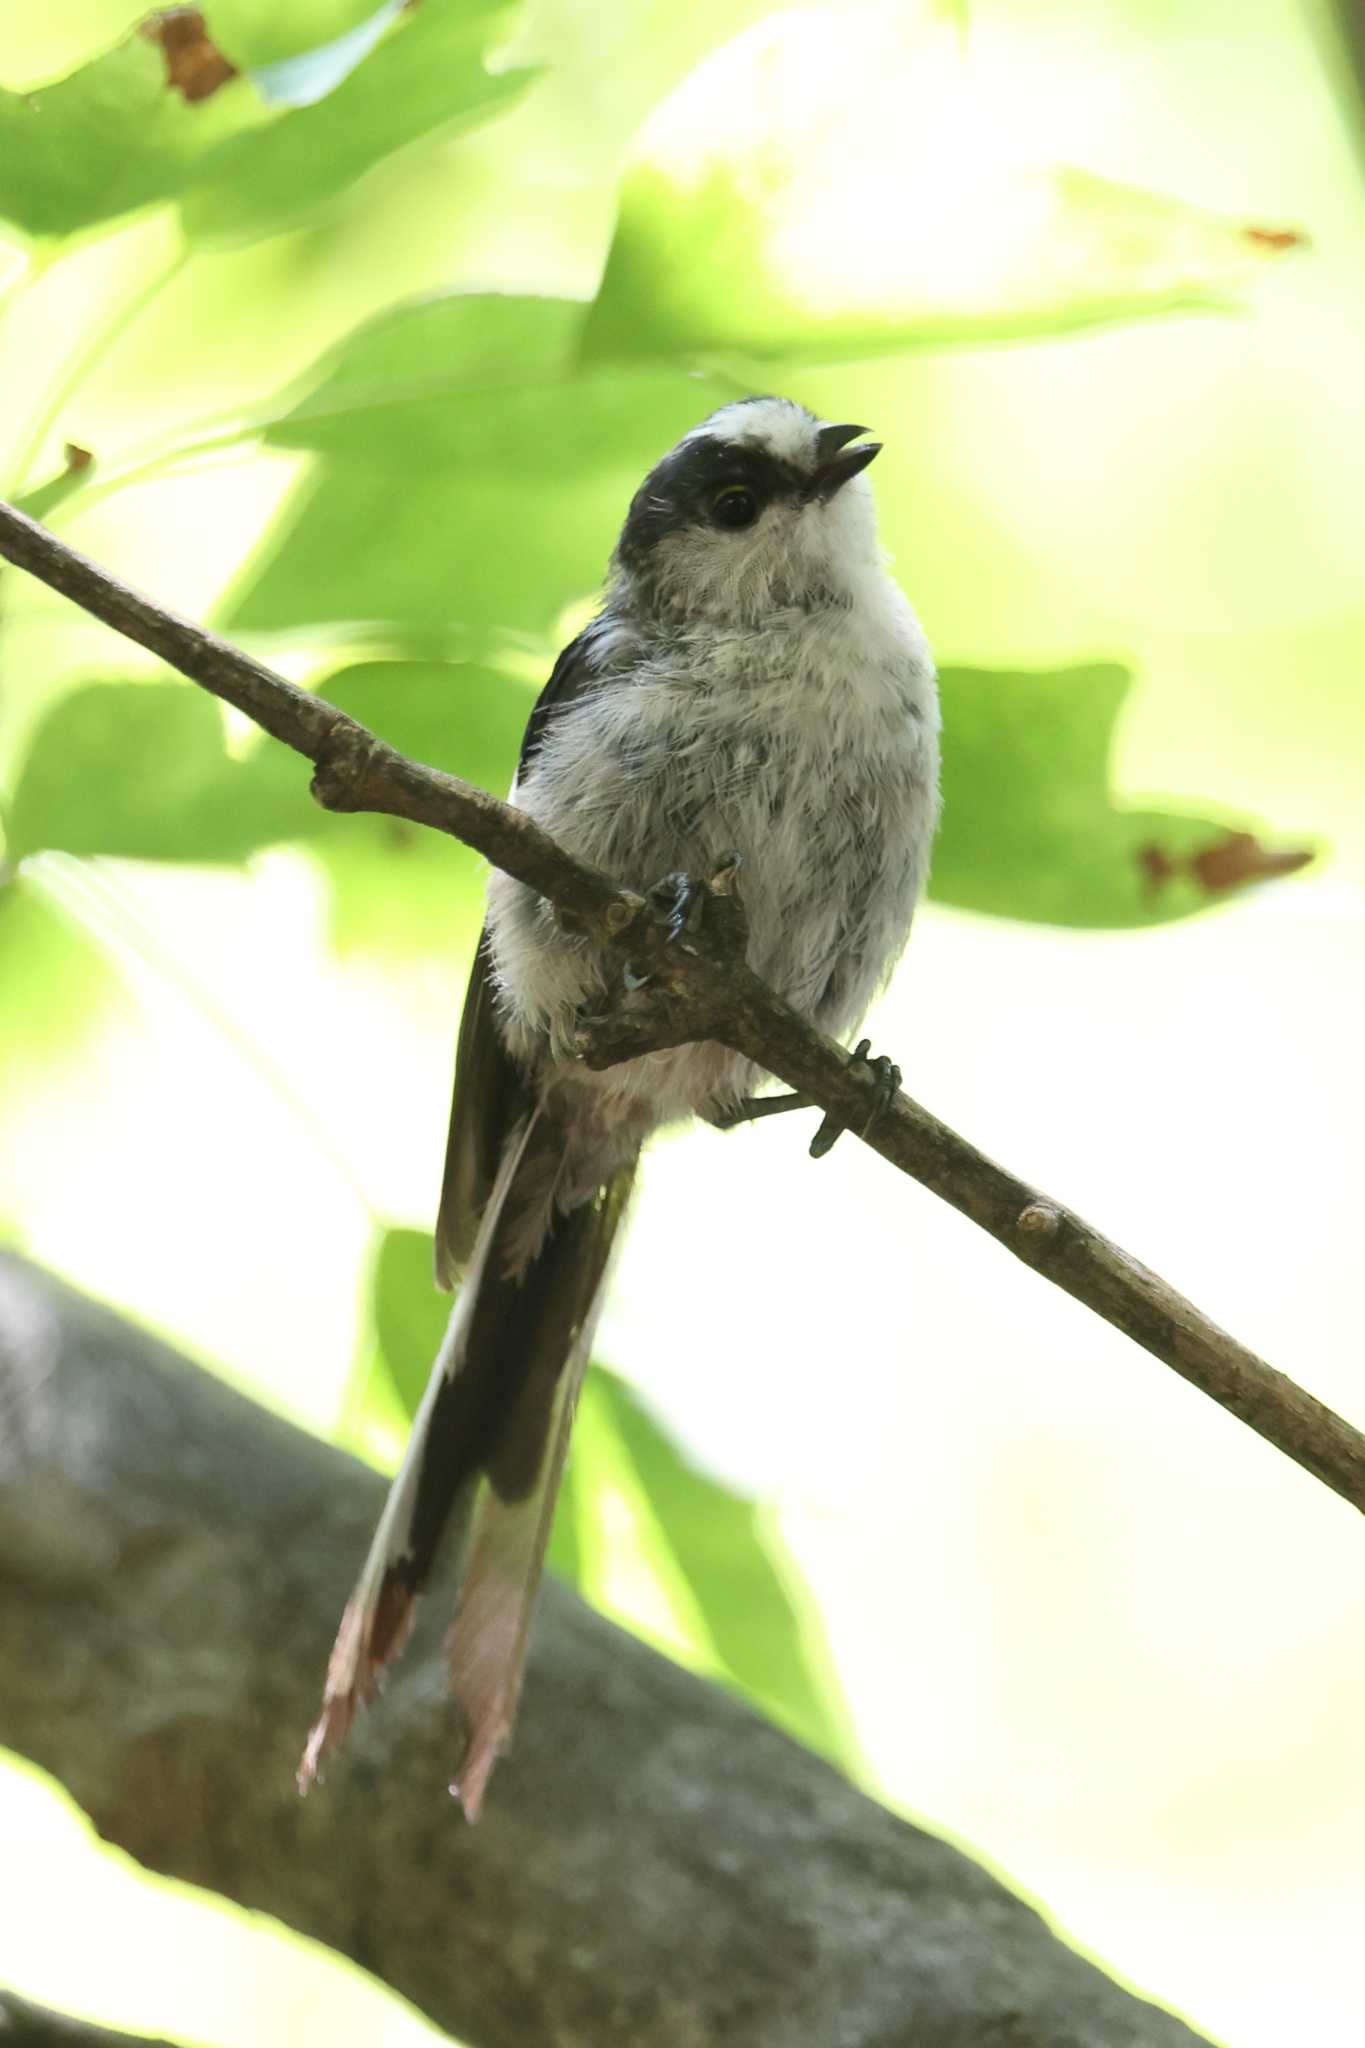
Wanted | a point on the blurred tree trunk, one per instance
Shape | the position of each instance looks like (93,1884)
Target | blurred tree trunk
(1349,18)
(31,2026)
(657,1865)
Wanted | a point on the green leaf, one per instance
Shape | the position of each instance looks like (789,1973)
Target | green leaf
(260,33)
(427,73)
(140,769)
(565,1553)
(398,890)
(457,716)
(1031,825)
(110,138)
(783,204)
(398,893)
(419,353)
(410,1314)
(715,1542)
(116,135)
(1031,828)
(467,557)
(449,498)
(57,985)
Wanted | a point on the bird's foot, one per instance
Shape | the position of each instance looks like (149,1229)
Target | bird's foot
(675,903)
(679,925)
(679,905)
(886,1077)
(750,1109)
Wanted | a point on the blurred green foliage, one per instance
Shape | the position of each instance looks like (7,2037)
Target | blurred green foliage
(120,134)
(463,462)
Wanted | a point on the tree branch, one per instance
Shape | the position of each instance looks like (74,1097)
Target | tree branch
(32,2026)
(660,1869)
(702,988)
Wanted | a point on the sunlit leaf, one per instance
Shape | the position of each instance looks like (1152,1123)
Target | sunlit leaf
(417,354)
(166,115)
(426,73)
(461,556)
(399,893)
(828,186)
(260,33)
(458,716)
(303,80)
(565,1553)
(396,889)
(54,983)
(114,136)
(140,769)
(469,484)
(1032,828)
(714,1541)
(410,1315)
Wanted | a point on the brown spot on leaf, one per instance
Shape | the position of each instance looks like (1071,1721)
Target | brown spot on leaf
(1239,858)
(1157,867)
(195,66)
(1228,862)
(1274,240)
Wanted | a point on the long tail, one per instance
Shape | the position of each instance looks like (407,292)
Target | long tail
(488,1444)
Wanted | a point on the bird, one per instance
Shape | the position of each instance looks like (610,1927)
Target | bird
(755,690)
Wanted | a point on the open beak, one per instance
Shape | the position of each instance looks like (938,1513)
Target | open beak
(837,462)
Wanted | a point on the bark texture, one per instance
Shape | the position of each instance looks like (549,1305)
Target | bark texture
(656,1866)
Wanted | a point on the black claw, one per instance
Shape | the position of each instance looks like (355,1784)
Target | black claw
(886,1082)
(707,911)
(675,900)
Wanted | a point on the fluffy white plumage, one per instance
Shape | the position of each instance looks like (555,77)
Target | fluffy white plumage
(777,696)
(755,682)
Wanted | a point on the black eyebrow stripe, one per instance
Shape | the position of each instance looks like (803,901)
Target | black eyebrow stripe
(707,461)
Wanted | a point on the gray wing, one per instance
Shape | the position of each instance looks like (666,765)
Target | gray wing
(492,1095)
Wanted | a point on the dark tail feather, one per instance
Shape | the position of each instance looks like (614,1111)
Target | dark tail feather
(499,1403)
(487,1644)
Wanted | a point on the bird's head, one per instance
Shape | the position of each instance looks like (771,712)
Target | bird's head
(761,506)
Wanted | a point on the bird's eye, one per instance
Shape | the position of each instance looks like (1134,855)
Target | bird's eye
(734,507)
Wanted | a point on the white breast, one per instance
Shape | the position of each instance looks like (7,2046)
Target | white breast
(809,744)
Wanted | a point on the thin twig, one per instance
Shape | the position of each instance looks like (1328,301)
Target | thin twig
(702,988)
(755,1107)
(88,356)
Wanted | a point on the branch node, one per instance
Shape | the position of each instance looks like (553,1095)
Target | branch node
(648,1017)
(1037,1223)
(622,912)
(727,921)
(342,765)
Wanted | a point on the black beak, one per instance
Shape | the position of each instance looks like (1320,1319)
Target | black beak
(837,462)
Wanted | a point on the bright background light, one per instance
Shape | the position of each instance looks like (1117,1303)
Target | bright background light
(1087,1625)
